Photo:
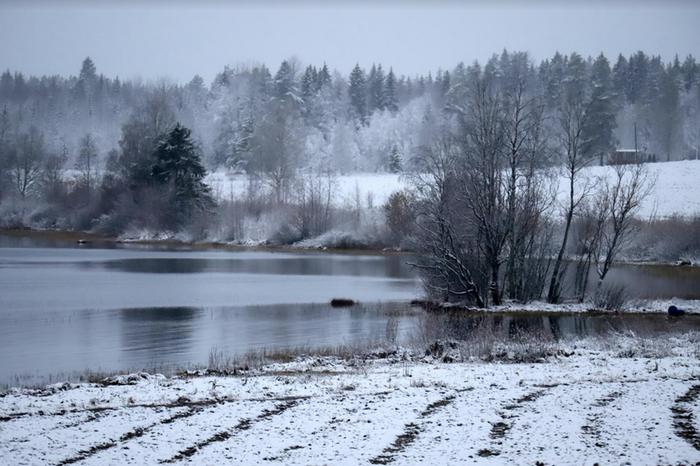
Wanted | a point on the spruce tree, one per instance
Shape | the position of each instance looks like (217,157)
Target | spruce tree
(284,81)
(178,166)
(376,89)
(323,78)
(390,99)
(358,94)
(600,122)
(394,162)
(308,84)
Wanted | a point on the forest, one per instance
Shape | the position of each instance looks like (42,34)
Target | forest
(479,145)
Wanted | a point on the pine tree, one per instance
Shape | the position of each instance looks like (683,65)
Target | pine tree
(689,71)
(358,94)
(394,162)
(665,111)
(637,77)
(375,83)
(619,77)
(390,95)
(88,71)
(6,86)
(308,83)
(323,78)
(284,82)
(600,121)
(178,165)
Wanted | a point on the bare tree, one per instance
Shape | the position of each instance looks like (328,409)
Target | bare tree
(86,162)
(588,228)
(571,121)
(529,193)
(447,263)
(483,186)
(26,163)
(313,196)
(621,198)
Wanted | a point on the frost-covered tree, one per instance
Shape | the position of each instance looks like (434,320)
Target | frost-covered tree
(598,131)
(86,162)
(394,162)
(375,89)
(26,161)
(389,97)
(358,94)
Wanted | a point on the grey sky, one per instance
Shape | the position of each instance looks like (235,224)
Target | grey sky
(177,40)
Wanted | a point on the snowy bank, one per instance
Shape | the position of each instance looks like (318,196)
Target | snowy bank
(580,407)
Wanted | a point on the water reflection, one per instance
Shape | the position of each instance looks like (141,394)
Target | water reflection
(368,266)
(465,326)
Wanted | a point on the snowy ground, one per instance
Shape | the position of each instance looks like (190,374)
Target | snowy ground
(677,190)
(578,408)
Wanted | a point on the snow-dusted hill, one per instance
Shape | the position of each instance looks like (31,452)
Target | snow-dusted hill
(677,189)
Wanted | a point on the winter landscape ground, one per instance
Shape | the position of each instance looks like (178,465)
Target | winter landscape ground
(634,402)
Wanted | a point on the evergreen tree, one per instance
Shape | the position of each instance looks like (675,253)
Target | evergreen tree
(600,120)
(637,77)
(358,94)
(6,86)
(285,86)
(390,94)
(619,77)
(323,78)
(308,84)
(178,166)
(665,112)
(394,162)
(88,71)
(689,71)
(375,84)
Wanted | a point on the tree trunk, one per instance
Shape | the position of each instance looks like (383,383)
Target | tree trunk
(554,284)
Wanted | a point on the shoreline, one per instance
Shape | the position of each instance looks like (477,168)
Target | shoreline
(86,238)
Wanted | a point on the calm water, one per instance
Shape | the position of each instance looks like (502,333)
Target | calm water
(65,309)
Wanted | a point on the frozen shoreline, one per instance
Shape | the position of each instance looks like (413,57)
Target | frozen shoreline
(582,406)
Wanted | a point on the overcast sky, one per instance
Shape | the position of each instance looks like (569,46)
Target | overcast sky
(176,40)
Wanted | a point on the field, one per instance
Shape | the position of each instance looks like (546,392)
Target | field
(677,191)
(581,406)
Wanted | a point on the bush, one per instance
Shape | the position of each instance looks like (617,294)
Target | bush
(610,297)
(399,215)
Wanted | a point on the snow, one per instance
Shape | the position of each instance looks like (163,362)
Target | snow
(633,306)
(677,190)
(587,407)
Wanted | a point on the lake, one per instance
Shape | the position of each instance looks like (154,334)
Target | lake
(65,309)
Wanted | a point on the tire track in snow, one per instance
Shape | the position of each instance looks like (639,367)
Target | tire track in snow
(243,424)
(193,407)
(499,430)
(683,418)
(592,430)
(125,437)
(410,433)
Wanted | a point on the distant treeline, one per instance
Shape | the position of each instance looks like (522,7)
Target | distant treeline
(370,120)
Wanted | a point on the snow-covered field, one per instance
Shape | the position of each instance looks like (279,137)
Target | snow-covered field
(580,407)
(677,190)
